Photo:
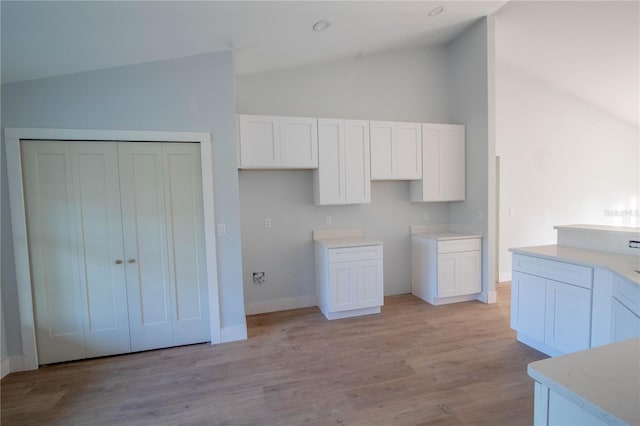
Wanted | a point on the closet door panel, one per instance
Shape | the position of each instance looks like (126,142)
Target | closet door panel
(51,226)
(145,243)
(96,195)
(185,231)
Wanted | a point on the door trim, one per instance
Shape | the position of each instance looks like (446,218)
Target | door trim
(12,137)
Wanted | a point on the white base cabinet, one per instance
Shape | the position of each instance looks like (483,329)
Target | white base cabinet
(551,304)
(446,271)
(349,280)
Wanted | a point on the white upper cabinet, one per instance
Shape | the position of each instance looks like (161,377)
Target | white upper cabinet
(396,150)
(443,164)
(343,175)
(277,142)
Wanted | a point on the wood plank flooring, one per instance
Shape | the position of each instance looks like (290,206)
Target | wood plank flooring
(412,364)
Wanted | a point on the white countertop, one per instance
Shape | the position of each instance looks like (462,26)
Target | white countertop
(347,242)
(604,381)
(603,228)
(445,235)
(621,264)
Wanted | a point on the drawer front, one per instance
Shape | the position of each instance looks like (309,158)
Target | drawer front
(627,294)
(581,276)
(355,253)
(453,246)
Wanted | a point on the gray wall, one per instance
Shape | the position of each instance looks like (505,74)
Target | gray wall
(408,85)
(189,94)
(471,74)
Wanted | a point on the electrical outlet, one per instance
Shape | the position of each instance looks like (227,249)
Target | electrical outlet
(328,220)
(267,222)
(425,216)
(259,278)
(222,230)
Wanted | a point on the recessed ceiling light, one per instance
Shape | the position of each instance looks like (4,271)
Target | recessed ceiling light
(321,25)
(436,11)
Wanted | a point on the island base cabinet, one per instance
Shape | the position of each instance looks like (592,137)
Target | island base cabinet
(552,409)
(550,316)
(624,323)
(528,305)
(568,317)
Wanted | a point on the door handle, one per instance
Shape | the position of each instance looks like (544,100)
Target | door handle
(118,262)
(131,261)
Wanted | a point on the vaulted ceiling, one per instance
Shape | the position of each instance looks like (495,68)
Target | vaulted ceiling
(587,48)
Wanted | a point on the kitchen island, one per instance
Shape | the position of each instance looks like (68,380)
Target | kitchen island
(598,386)
(571,296)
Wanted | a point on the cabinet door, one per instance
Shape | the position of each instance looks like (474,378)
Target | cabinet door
(299,142)
(567,317)
(329,179)
(459,273)
(528,295)
(443,164)
(259,141)
(624,323)
(407,160)
(468,274)
(382,136)
(447,276)
(452,163)
(357,165)
(343,286)
(370,283)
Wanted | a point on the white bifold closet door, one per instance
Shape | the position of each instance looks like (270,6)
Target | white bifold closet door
(116,246)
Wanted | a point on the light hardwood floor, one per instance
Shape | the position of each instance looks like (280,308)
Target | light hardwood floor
(412,364)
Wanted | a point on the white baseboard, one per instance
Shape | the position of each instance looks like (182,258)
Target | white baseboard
(488,297)
(12,364)
(6,366)
(504,276)
(233,334)
(282,304)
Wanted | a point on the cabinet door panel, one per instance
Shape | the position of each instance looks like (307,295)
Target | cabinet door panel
(528,293)
(452,163)
(382,135)
(357,162)
(624,323)
(143,208)
(568,317)
(447,274)
(431,185)
(330,176)
(185,231)
(408,151)
(469,275)
(370,284)
(299,142)
(343,292)
(259,141)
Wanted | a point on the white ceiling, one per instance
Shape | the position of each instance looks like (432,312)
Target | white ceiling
(41,39)
(590,49)
(587,48)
